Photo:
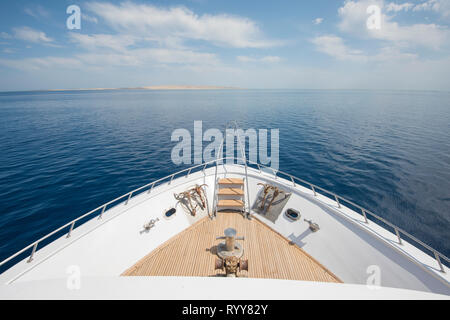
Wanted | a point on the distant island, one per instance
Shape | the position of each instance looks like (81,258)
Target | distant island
(167,87)
(185,88)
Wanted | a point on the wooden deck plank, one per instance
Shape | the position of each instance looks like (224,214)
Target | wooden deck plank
(230,203)
(231,192)
(228,181)
(192,253)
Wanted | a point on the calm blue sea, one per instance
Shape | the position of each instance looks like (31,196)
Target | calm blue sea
(65,153)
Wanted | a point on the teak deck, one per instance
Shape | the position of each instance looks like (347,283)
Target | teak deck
(191,253)
(228,181)
(231,192)
(230,203)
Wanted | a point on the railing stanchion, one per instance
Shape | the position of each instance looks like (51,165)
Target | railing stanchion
(171,178)
(259,167)
(151,188)
(70,230)
(293,182)
(439,261)
(314,190)
(32,253)
(103,211)
(398,236)
(337,201)
(216,168)
(365,215)
(204,167)
(129,197)
(189,172)
(246,188)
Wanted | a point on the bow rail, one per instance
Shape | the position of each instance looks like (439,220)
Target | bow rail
(277,173)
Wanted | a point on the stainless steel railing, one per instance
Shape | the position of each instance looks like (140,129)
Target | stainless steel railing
(103,207)
(293,179)
(338,199)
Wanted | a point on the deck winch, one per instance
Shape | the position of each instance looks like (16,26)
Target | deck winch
(230,253)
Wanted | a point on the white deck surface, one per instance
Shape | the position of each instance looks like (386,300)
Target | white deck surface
(185,288)
(344,244)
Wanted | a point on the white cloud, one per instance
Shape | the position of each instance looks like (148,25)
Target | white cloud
(5,35)
(334,46)
(131,58)
(246,59)
(31,35)
(318,21)
(103,60)
(439,6)
(37,12)
(174,56)
(147,37)
(354,16)
(399,7)
(393,55)
(154,45)
(179,22)
(89,18)
(99,41)
(28,64)
(269,59)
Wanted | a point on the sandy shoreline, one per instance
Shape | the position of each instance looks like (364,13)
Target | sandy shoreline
(186,88)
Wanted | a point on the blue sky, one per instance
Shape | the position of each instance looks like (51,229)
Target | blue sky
(319,44)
